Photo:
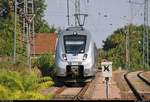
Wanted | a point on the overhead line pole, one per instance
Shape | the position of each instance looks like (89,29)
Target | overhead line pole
(146,37)
(26,14)
(144,50)
(15,15)
(68,13)
(33,28)
(30,32)
(79,10)
(27,35)
(128,33)
(24,23)
(76,11)
(127,49)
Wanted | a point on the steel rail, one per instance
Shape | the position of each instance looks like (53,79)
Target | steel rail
(143,79)
(134,90)
(79,96)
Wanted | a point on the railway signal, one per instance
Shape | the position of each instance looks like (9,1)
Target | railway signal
(106,69)
(107,75)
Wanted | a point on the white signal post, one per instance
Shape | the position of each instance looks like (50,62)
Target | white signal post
(107,74)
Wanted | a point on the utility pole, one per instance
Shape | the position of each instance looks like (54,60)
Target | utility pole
(15,15)
(68,13)
(127,48)
(27,34)
(145,37)
(128,33)
(33,28)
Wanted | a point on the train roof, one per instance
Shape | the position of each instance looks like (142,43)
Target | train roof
(75,28)
(76,31)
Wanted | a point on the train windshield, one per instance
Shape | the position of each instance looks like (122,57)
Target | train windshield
(75,43)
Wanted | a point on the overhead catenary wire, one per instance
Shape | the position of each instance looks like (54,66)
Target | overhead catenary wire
(75,7)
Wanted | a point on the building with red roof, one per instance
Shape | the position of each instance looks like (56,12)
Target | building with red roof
(43,43)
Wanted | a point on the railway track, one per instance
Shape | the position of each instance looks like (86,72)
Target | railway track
(142,78)
(72,93)
(138,85)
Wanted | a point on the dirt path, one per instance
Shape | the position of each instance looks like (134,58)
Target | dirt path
(99,92)
(126,93)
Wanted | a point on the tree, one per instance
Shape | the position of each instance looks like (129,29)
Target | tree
(7,26)
(41,26)
(114,47)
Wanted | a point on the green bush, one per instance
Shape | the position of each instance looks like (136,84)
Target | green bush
(46,65)
(30,82)
(5,93)
(46,85)
(45,79)
(30,95)
(17,95)
(45,61)
(45,82)
(11,80)
(33,96)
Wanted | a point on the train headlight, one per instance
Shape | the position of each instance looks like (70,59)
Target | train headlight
(64,56)
(85,56)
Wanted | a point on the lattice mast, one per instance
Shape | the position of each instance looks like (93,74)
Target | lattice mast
(25,10)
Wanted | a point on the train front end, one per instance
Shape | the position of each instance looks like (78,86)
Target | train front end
(74,55)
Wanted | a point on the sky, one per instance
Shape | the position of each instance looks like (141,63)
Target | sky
(104,16)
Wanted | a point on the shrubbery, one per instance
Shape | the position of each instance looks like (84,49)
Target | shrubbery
(15,86)
(46,61)
(46,64)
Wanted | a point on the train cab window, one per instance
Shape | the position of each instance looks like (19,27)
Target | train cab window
(75,43)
